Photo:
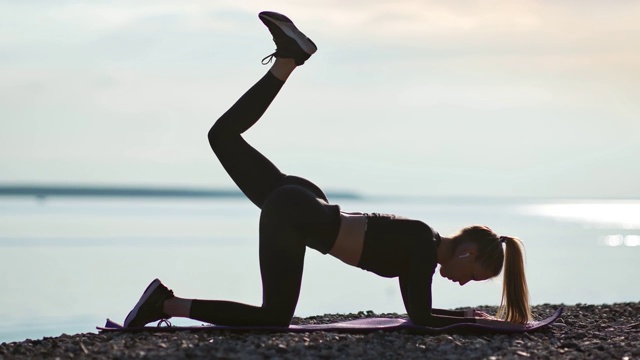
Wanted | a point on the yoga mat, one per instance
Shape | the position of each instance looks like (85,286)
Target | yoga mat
(352,326)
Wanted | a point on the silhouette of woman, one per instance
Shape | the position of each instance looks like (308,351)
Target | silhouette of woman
(296,214)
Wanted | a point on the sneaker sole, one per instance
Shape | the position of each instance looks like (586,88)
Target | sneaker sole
(292,31)
(145,295)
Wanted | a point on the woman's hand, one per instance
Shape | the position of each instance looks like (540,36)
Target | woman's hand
(482,315)
(477,314)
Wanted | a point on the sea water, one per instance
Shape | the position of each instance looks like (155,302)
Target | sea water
(67,264)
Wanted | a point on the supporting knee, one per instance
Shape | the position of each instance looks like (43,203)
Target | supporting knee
(277,318)
(281,320)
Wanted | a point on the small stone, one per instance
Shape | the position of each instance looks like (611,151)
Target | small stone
(84,348)
(569,345)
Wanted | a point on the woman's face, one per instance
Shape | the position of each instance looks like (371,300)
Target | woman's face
(462,267)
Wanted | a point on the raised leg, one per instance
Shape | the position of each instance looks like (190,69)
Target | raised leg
(254,174)
(292,215)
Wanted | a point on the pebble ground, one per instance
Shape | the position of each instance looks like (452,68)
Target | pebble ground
(583,332)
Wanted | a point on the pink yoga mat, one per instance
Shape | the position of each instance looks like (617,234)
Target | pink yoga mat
(351,326)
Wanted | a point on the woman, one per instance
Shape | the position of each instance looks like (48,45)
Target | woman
(296,214)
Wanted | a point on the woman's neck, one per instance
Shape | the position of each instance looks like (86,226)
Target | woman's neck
(444,250)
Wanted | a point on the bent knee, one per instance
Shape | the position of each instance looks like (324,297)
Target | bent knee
(277,317)
(219,138)
(280,320)
(214,136)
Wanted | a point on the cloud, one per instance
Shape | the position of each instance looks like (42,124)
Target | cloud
(542,31)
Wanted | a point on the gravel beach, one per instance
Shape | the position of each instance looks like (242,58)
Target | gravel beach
(583,332)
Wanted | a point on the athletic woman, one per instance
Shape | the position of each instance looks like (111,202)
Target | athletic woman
(296,214)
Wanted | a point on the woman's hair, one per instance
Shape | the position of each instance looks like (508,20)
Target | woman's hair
(514,306)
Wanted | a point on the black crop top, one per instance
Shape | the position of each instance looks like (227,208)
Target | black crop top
(406,248)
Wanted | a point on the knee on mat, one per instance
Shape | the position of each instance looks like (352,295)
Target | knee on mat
(283,321)
(278,319)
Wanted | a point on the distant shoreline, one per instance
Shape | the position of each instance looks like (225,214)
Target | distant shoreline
(43,191)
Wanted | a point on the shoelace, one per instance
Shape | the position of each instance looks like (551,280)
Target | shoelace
(166,323)
(267,59)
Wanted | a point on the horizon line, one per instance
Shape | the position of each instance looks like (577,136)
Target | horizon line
(44,191)
(150,191)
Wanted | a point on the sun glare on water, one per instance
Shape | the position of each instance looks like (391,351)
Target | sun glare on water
(624,215)
(620,240)
(619,214)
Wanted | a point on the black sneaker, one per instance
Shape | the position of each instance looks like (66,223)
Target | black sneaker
(149,307)
(290,42)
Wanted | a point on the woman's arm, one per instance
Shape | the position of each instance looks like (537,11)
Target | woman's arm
(415,283)
(469,313)
(452,313)
(416,294)
(420,251)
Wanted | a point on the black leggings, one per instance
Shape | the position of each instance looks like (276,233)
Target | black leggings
(295,214)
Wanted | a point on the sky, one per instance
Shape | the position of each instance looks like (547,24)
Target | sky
(425,98)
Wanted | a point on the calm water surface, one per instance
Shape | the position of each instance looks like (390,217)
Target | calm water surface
(68,264)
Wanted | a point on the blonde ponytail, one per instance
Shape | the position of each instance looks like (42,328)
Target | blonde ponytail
(514,306)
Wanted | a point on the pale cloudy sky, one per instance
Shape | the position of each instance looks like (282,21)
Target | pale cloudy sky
(504,98)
